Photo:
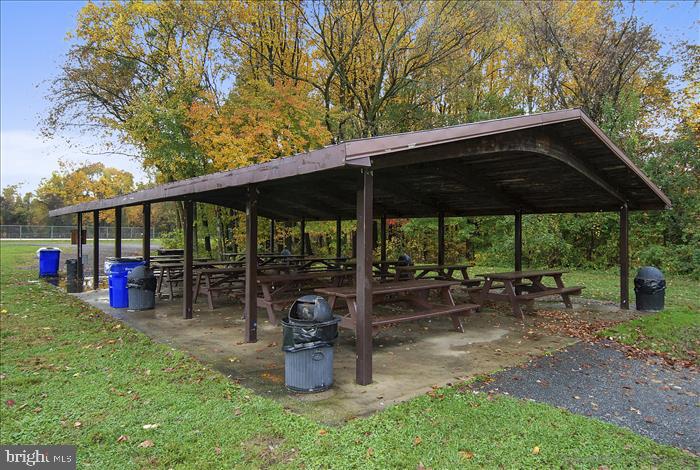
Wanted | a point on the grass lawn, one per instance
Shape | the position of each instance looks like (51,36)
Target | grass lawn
(69,374)
(675,332)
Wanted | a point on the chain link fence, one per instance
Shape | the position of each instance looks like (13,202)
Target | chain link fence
(57,232)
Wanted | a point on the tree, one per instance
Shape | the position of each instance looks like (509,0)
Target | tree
(365,52)
(259,122)
(78,183)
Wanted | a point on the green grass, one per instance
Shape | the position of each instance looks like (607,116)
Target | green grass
(64,363)
(675,332)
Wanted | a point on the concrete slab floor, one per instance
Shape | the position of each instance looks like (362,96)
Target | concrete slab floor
(409,359)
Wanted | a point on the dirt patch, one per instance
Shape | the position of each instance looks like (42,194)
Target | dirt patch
(267,452)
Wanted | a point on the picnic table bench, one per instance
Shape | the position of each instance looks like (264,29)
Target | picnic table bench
(414,291)
(278,291)
(517,291)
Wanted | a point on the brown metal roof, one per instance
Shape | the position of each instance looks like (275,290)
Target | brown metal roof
(550,162)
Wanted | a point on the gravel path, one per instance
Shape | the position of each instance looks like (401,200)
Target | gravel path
(598,380)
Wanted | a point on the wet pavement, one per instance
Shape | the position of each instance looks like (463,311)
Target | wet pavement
(598,380)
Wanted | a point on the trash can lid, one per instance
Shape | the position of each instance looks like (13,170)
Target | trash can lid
(140,272)
(405,259)
(310,308)
(650,273)
(47,248)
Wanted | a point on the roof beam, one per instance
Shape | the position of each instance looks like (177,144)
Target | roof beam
(530,141)
(557,149)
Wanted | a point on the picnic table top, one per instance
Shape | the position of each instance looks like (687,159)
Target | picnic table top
(432,267)
(515,275)
(353,262)
(195,264)
(389,287)
(302,276)
(231,270)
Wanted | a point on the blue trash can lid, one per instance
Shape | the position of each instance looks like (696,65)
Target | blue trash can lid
(112,261)
(47,248)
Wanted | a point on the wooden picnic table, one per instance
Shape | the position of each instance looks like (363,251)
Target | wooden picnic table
(278,291)
(212,281)
(172,272)
(517,291)
(241,256)
(379,268)
(414,291)
(441,271)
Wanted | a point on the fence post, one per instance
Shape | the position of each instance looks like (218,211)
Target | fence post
(51,232)
(20,231)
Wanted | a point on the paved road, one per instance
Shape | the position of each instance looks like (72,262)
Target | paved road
(598,380)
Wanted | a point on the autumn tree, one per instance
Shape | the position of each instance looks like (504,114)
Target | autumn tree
(77,183)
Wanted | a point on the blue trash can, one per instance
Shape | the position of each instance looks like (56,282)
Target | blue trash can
(117,269)
(49,261)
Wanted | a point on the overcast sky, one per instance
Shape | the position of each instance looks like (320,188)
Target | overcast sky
(33,43)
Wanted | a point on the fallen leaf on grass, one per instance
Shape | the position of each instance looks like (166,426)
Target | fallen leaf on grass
(417,440)
(146,443)
(466,455)
(150,426)
(123,438)
(77,424)
(370,452)
(322,432)
(217,450)
(535,450)
(10,403)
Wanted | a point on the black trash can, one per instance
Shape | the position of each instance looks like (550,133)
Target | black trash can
(650,289)
(141,284)
(404,260)
(74,283)
(309,333)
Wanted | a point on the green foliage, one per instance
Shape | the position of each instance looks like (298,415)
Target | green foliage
(18,209)
(172,239)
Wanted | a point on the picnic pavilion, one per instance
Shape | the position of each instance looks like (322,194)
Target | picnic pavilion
(555,162)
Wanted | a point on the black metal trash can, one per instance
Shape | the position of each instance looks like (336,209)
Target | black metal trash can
(404,260)
(309,333)
(141,284)
(650,289)
(74,283)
